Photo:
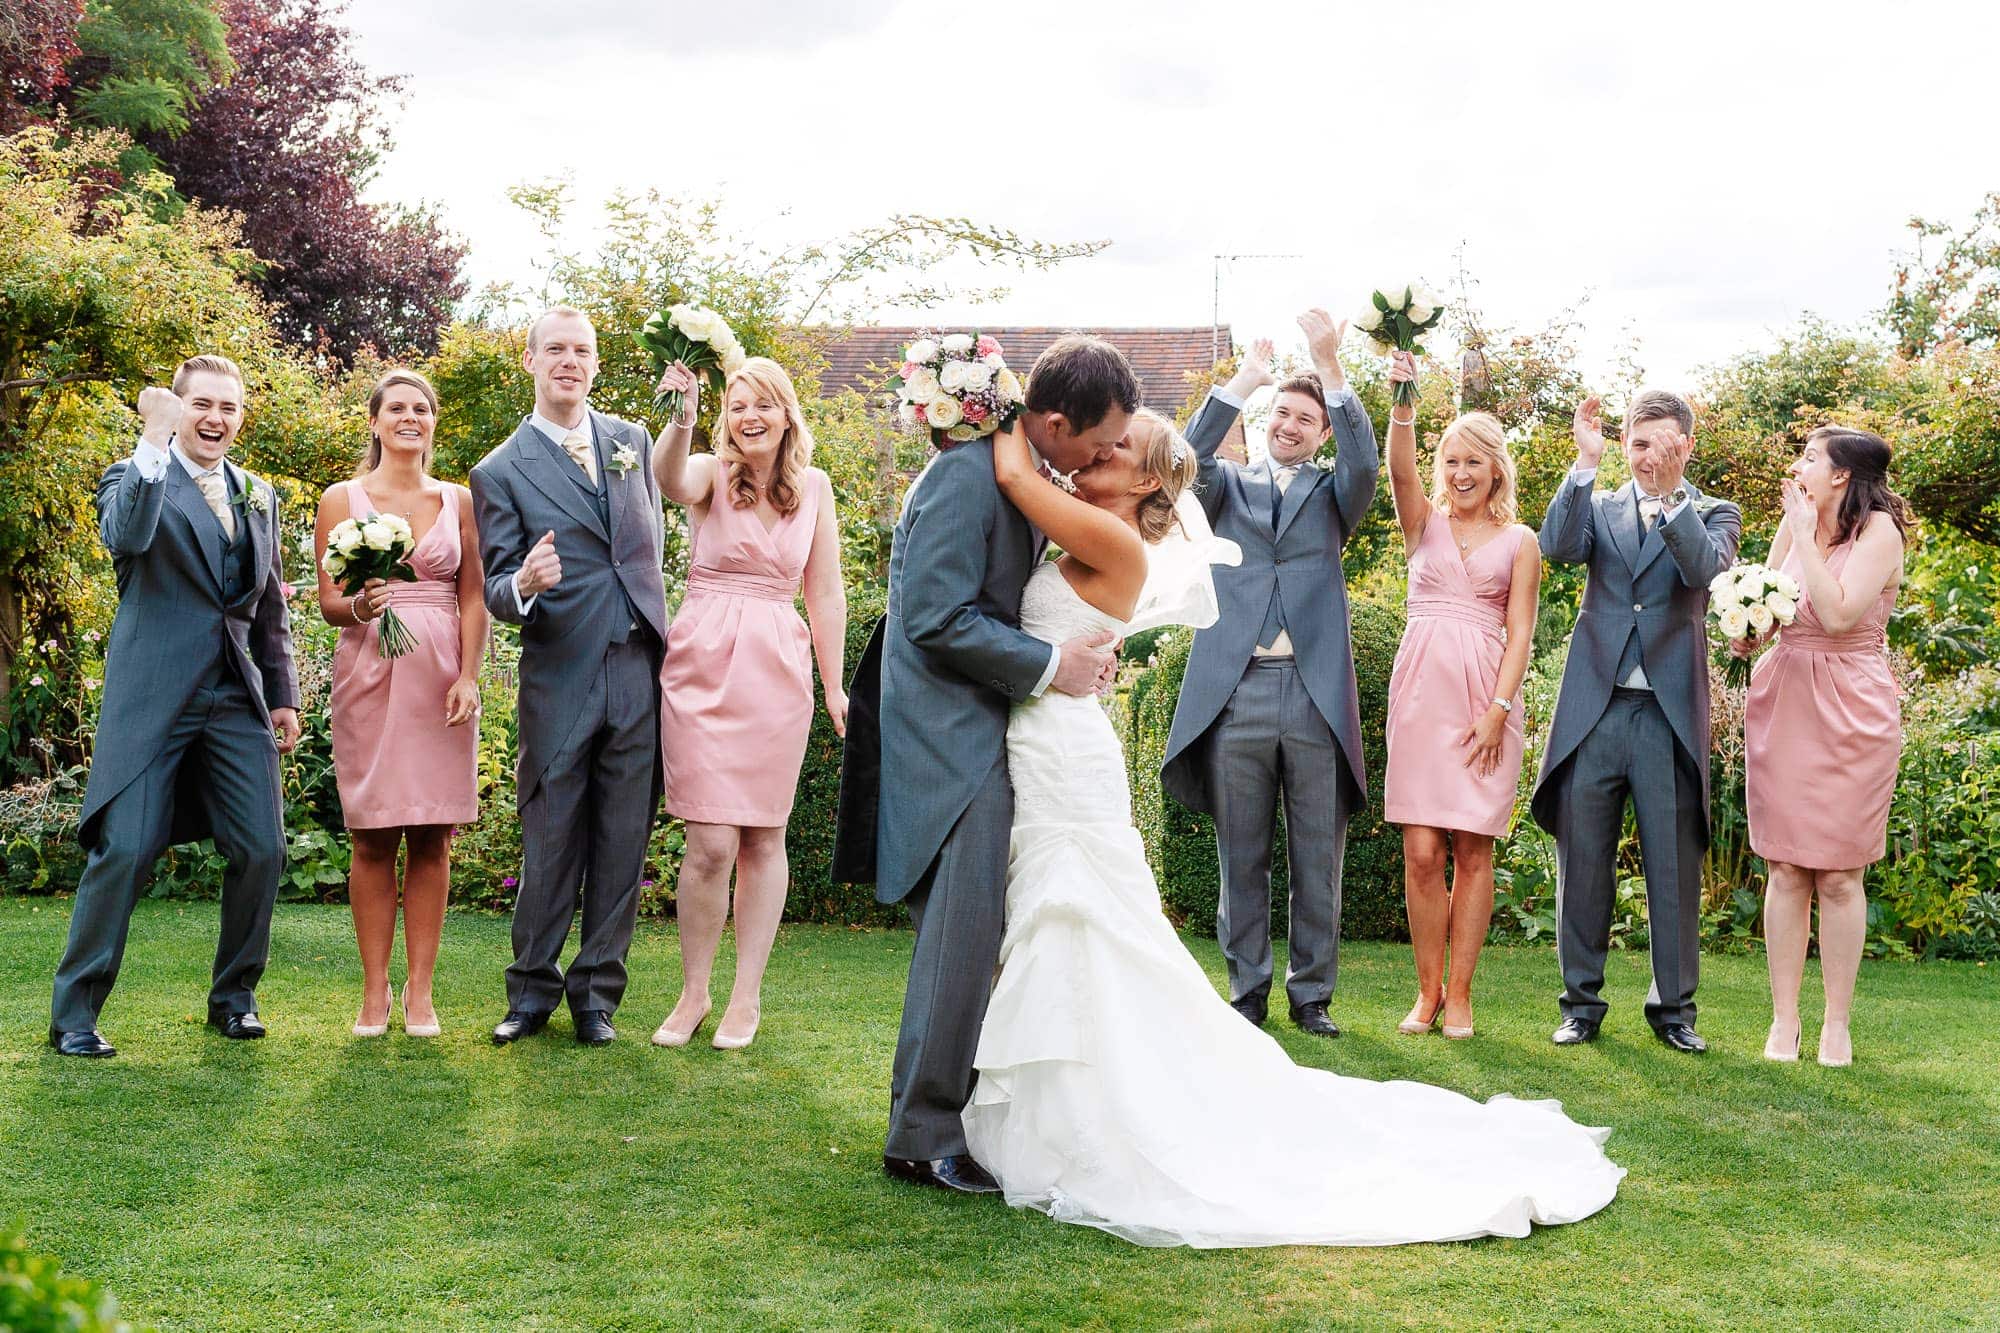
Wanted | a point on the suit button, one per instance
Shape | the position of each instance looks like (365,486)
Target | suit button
(1638,606)
(1277,562)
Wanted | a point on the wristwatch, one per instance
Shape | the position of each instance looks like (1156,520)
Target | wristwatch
(1506,705)
(1673,498)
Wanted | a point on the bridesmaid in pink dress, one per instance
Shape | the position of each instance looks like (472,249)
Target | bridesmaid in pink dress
(736,695)
(405,743)
(1822,727)
(1455,734)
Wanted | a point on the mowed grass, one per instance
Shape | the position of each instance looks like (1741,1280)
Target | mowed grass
(317,1181)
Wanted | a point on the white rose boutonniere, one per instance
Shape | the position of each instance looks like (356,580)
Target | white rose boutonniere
(255,500)
(623,459)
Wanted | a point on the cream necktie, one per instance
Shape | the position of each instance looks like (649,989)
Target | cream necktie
(1649,512)
(577,445)
(210,484)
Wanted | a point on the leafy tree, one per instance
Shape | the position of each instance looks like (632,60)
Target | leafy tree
(37,39)
(1953,291)
(291,142)
(142,66)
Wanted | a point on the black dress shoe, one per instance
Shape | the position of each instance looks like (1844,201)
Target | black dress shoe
(88,1044)
(237,1027)
(1682,1037)
(1252,1007)
(1313,1018)
(959,1173)
(1575,1031)
(517,1024)
(593,1028)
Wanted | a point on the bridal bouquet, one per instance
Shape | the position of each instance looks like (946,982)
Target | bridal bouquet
(1395,319)
(1750,599)
(958,386)
(376,547)
(696,337)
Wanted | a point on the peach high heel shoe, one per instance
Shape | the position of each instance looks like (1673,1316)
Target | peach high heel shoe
(1778,1054)
(378,1029)
(1834,1062)
(1416,1027)
(725,1042)
(666,1036)
(430,1029)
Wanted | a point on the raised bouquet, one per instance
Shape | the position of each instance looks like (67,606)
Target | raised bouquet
(1750,599)
(958,386)
(696,337)
(376,547)
(1397,319)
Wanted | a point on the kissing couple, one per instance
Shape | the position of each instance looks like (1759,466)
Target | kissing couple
(1101,1078)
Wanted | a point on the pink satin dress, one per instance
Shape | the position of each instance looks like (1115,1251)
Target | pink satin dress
(394,759)
(736,688)
(1447,675)
(1822,736)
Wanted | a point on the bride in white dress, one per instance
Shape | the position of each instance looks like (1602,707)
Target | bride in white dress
(1116,1088)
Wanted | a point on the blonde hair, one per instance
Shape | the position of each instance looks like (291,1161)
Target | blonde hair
(795,450)
(207,363)
(1486,437)
(371,457)
(1168,457)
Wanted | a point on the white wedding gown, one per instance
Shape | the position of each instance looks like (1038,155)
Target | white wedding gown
(1118,1090)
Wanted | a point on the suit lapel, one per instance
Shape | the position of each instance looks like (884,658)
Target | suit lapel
(616,493)
(1655,544)
(1303,481)
(260,539)
(1623,512)
(542,463)
(207,532)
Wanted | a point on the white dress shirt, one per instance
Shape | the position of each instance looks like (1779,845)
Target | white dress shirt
(1581,474)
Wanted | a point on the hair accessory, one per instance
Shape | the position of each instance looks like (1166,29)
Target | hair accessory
(1177,452)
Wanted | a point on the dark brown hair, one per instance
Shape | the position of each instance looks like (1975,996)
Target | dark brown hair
(1661,405)
(1082,378)
(1864,456)
(1308,383)
(371,457)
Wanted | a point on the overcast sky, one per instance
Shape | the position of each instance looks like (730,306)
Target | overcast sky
(1703,173)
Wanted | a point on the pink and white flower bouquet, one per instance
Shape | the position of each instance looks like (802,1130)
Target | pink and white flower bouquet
(957,386)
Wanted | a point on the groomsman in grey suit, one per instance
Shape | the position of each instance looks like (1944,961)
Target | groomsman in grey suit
(1268,703)
(931,797)
(1631,721)
(200,699)
(570,530)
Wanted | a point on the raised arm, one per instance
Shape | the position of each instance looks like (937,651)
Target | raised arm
(1702,545)
(826,602)
(1357,465)
(1568,531)
(684,480)
(1841,603)
(129,494)
(1218,413)
(1413,508)
(1095,538)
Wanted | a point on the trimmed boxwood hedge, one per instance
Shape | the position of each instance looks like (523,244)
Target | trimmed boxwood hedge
(1181,843)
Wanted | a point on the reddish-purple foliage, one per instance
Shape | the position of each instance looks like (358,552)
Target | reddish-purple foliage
(37,38)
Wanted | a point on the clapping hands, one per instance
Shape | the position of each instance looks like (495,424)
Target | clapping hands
(1323,339)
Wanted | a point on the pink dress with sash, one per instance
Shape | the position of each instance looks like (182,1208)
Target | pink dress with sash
(394,759)
(736,688)
(1822,736)
(1446,676)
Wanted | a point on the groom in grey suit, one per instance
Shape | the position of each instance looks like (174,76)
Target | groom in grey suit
(1268,702)
(1632,718)
(570,531)
(198,677)
(932,797)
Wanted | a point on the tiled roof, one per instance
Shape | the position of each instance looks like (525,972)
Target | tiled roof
(1163,358)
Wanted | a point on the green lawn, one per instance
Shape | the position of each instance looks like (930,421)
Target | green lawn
(318,1181)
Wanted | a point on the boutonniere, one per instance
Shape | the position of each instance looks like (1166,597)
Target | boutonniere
(1704,503)
(623,459)
(253,499)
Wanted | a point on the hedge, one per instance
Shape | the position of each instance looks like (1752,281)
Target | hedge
(1181,842)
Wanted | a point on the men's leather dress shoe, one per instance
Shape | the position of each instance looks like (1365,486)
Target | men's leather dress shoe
(89,1044)
(1313,1018)
(1251,1007)
(593,1028)
(237,1027)
(517,1024)
(1682,1037)
(959,1173)
(1574,1032)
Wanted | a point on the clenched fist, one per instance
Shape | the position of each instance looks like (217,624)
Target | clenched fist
(160,414)
(542,569)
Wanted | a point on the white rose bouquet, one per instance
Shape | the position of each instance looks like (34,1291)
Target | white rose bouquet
(958,386)
(1748,600)
(1396,318)
(375,547)
(696,337)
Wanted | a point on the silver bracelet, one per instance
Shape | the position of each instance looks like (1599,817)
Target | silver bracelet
(1394,420)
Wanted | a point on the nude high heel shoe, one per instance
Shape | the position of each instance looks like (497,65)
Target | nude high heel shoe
(724,1042)
(667,1036)
(378,1029)
(430,1029)
(1413,1026)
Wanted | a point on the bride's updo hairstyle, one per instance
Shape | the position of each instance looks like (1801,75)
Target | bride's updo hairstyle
(1168,458)
(1864,456)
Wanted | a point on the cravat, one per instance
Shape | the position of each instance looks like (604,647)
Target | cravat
(577,445)
(1281,481)
(212,491)
(1649,512)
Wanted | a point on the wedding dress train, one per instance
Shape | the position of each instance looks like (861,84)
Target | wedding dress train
(1118,1090)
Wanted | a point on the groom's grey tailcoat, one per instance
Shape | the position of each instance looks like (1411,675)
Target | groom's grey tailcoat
(1247,729)
(200,653)
(951,661)
(589,771)
(1608,744)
